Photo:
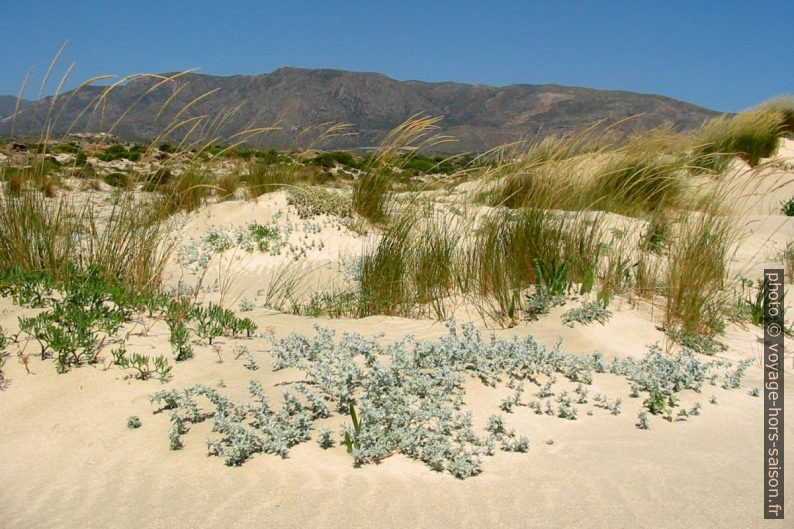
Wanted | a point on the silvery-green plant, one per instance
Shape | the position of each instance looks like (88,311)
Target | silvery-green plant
(734,378)
(642,421)
(408,397)
(599,365)
(566,409)
(696,342)
(665,373)
(243,351)
(536,304)
(516,444)
(133,422)
(326,439)
(508,403)
(177,429)
(546,391)
(582,393)
(496,425)
(589,312)
(3,355)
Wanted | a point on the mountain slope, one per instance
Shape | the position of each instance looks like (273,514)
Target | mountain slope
(8,104)
(479,116)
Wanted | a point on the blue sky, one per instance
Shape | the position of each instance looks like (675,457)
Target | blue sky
(726,55)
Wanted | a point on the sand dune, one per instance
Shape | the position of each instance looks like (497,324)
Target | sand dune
(68,460)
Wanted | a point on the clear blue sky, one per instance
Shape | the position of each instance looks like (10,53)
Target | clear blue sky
(726,55)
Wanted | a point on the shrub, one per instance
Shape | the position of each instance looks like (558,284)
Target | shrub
(660,403)
(313,201)
(406,398)
(330,159)
(179,340)
(67,148)
(259,236)
(117,180)
(326,440)
(118,152)
(154,181)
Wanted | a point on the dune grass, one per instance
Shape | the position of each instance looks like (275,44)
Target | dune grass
(186,192)
(266,176)
(35,233)
(642,176)
(750,135)
(384,272)
(697,275)
(784,105)
(373,188)
(53,235)
(226,186)
(514,250)
(129,246)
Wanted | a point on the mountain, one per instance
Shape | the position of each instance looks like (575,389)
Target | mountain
(479,116)
(8,104)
